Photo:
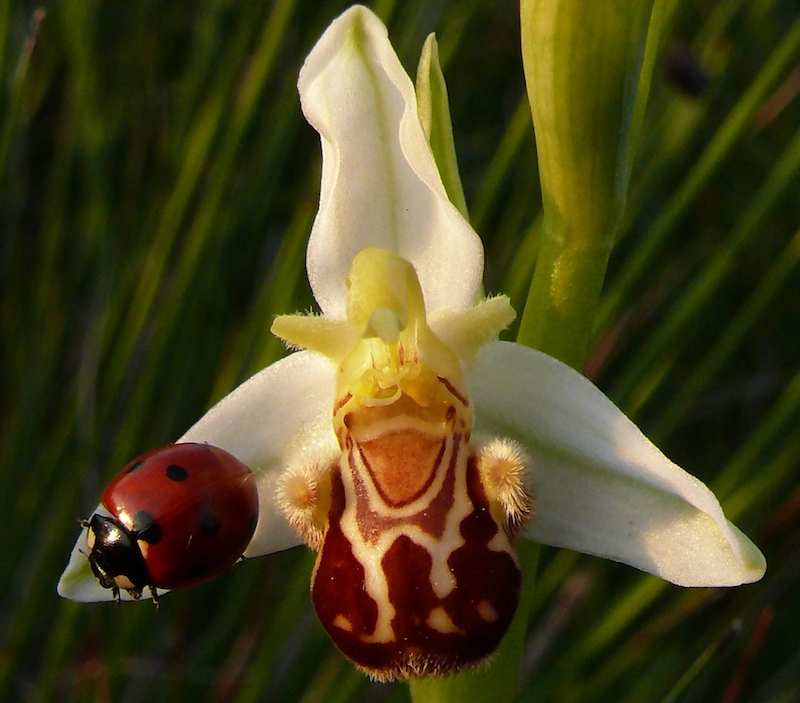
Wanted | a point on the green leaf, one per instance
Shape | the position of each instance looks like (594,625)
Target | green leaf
(434,112)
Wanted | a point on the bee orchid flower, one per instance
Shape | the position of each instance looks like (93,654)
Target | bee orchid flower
(407,444)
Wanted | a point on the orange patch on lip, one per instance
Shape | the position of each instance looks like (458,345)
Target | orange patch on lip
(402,464)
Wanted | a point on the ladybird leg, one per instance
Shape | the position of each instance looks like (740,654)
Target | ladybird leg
(135,593)
(304,494)
(506,474)
(154,593)
(85,526)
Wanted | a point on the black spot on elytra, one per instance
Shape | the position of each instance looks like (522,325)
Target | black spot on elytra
(177,473)
(146,528)
(134,466)
(142,521)
(209,524)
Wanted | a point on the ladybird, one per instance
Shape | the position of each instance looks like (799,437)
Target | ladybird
(178,516)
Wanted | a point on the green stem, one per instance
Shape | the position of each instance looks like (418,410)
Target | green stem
(563,297)
(587,114)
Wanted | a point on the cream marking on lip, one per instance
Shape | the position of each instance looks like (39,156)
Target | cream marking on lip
(440,621)
(487,611)
(342,622)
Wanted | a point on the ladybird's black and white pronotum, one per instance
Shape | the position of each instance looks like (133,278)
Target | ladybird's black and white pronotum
(178,516)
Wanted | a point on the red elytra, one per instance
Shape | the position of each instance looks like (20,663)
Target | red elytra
(182,514)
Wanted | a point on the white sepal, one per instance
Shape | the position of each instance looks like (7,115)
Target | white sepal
(380,184)
(601,487)
(278,418)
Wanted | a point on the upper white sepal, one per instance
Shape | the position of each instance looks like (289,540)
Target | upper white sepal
(380,184)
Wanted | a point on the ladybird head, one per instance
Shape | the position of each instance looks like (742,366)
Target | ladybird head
(115,556)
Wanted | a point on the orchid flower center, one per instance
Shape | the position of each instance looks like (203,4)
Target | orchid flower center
(399,371)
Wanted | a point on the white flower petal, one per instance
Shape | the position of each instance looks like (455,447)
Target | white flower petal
(380,185)
(601,486)
(279,417)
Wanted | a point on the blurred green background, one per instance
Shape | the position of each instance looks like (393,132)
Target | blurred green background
(158,187)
